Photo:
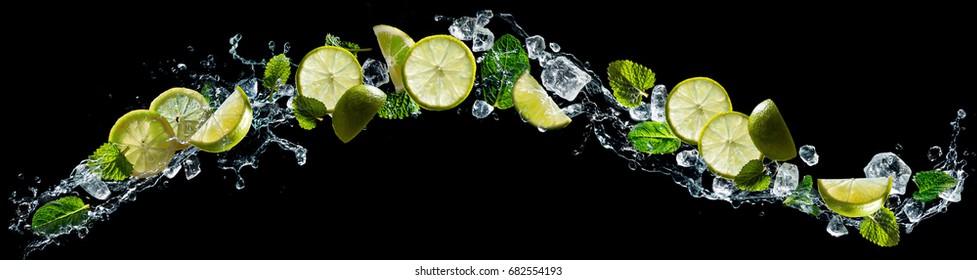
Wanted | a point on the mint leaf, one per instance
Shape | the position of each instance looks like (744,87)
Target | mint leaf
(500,68)
(277,71)
(653,138)
(308,111)
(398,106)
(881,228)
(802,199)
(207,90)
(59,216)
(751,177)
(629,81)
(332,40)
(931,184)
(109,163)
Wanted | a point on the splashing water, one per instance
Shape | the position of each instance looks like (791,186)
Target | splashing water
(603,117)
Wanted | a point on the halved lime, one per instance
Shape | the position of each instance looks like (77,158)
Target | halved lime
(769,132)
(855,197)
(439,72)
(692,103)
(535,106)
(325,73)
(226,126)
(725,145)
(394,45)
(185,110)
(146,140)
(355,109)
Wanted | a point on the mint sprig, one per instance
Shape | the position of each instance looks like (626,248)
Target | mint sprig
(109,163)
(277,71)
(802,198)
(881,228)
(500,68)
(931,184)
(398,106)
(333,40)
(653,138)
(629,81)
(751,177)
(59,216)
(308,111)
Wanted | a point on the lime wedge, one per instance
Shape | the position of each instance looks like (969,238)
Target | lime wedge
(691,104)
(855,197)
(394,45)
(146,140)
(725,145)
(325,73)
(355,109)
(185,110)
(535,106)
(227,126)
(769,132)
(439,72)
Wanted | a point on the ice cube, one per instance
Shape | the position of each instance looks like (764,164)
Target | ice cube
(913,210)
(889,165)
(573,110)
(658,97)
(482,18)
(961,114)
(687,158)
(564,78)
(481,109)
(785,182)
(722,187)
(953,194)
(555,47)
(483,39)
(463,28)
(375,72)
(641,113)
(536,47)
(836,227)
(191,166)
(90,182)
(934,153)
(250,87)
(809,155)
(173,169)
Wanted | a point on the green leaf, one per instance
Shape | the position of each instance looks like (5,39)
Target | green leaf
(629,81)
(802,198)
(881,228)
(109,163)
(207,90)
(931,184)
(398,106)
(277,71)
(653,138)
(59,216)
(500,68)
(751,177)
(332,40)
(308,111)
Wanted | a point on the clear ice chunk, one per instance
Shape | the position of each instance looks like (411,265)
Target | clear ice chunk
(913,210)
(483,39)
(934,153)
(173,169)
(953,194)
(463,28)
(641,113)
(658,97)
(809,155)
(564,78)
(573,110)
(836,227)
(482,18)
(889,165)
(785,182)
(536,47)
(375,72)
(191,166)
(481,109)
(722,187)
(555,47)
(687,158)
(90,182)
(250,87)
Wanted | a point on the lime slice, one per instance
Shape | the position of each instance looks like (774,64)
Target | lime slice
(439,72)
(394,45)
(227,126)
(355,109)
(725,145)
(185,110)
(769,132)
(535,106)
(325,73)
(146,140)
(691,104)
(855,197)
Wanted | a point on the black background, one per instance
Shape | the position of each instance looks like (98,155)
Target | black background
(853,81)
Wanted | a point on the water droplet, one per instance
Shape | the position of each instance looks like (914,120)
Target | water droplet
(763,213)
(271,46)
(234,39)
(37,179)
(20,176)
(898,147)
(23,208)
(961,114)
(190,48)
(181,67)
(286,47)
(934,153)
(82,232)
(633,165)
